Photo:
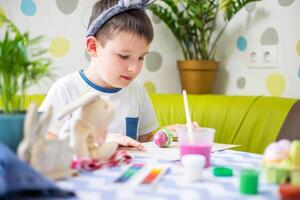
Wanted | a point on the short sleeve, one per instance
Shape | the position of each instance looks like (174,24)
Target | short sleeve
(148,122)
(57,97)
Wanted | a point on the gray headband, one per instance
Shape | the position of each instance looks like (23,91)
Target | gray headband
(121,6)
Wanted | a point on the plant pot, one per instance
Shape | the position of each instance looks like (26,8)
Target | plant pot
(11,129)
(198,76)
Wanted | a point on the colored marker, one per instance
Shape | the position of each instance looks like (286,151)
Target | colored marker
(129,173)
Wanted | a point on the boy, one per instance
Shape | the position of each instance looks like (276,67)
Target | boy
(117,41)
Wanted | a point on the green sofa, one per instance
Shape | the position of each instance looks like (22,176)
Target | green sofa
(250,121)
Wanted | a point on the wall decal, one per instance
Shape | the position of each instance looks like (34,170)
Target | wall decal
(275,84)
(241,43)
(153,61)
(285,2)
(241,82)
(59,46)
(150,87)
(67,6)
(28,7)
(269,37)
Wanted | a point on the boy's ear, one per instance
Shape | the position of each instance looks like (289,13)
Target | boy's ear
(91,45)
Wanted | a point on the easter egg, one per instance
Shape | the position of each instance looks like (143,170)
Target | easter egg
(163,138)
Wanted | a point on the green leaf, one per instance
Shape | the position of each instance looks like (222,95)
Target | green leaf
(193,23)
(22,63)
(231,7)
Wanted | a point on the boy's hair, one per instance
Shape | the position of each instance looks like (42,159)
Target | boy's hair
(133,21)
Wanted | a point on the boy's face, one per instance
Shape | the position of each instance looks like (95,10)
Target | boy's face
(120,60)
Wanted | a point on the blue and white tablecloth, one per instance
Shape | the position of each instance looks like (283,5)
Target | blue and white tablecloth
(100,184)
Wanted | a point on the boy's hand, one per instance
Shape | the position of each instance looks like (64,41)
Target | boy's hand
(124,141)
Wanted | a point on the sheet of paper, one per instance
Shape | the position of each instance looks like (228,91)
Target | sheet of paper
(171,153)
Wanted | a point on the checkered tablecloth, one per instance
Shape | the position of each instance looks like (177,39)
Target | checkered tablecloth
(100,184)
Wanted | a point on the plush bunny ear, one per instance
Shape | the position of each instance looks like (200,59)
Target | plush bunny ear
(34,129)
(148,2)
(44,121)
(77,103)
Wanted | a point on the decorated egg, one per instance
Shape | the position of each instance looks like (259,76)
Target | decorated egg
(163,138)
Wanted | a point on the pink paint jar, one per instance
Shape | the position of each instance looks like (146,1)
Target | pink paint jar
(202,144)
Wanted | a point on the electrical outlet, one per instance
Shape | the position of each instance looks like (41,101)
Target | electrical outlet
(262,56)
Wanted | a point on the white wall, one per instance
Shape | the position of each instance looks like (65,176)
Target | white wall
(64,23)
(236,77)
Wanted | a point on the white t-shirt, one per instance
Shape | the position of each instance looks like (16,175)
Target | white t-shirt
(134,114)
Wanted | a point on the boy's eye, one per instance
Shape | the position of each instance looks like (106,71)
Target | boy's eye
(141,58)
(123,57)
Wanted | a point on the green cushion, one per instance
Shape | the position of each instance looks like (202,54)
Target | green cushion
(11,125)
(37,98)
(262,123)
(250,121)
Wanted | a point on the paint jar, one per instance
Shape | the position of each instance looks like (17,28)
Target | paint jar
(203,139)
(249,181)
(192,166)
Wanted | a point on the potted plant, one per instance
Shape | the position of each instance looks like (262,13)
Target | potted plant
(193,23)
(22,64)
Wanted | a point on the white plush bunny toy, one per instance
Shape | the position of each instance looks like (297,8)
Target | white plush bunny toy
(90,114)
(52,158)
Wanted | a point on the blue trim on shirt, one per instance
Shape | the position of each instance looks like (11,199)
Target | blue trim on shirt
(97,87)
(131,127)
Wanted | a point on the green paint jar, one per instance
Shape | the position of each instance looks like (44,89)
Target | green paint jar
(249,181)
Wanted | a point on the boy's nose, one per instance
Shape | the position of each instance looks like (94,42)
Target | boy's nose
(133,68)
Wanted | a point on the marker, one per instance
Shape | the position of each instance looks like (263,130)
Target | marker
(129,173)
(153,174)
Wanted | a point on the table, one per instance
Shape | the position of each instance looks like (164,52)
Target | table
(99,184)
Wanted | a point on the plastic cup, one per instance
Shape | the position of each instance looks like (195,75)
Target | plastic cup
(203,139)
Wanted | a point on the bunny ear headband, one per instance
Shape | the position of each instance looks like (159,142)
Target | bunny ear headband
(121,6)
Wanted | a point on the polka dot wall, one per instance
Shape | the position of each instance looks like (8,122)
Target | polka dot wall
(241,82)
(160,64)
(298,47)
(285,2)
(59,46)
(67,6)
(275,82)
(153,63)
(241,43)
(28,7)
